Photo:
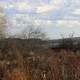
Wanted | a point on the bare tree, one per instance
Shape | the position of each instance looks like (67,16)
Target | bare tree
(68,42)
(31,32)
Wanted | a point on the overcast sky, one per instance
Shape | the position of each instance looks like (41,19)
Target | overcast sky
(56,17)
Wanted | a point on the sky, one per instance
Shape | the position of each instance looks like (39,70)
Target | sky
(57,17)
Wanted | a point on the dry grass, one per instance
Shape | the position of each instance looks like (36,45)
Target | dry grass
(44,66)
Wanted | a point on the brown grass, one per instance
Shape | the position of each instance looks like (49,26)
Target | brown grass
(47,65)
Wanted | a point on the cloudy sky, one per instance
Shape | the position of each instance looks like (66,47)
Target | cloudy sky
(56,17)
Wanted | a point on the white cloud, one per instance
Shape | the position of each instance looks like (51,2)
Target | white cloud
(68,23)
(76,12)
(22,6)
(44,8)
(27,5)
(53,6)
(43,23)
(57,23)
(18,5)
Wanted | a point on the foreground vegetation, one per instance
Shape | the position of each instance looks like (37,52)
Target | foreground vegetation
(21,62)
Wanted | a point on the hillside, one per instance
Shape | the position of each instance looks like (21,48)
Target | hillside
(66,43)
